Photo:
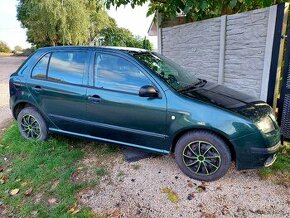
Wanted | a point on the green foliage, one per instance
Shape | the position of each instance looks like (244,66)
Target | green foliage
(4,47)
(48,168)
(196,9)
(28,51)
(17,48)
(70,22)
(116,36)
(58,22)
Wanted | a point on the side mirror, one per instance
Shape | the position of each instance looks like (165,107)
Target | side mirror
(148,91)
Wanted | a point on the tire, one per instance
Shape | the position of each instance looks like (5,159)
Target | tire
(195,163)
(31,124)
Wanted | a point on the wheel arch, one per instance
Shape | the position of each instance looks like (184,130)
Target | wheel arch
(21,105)
(216,132)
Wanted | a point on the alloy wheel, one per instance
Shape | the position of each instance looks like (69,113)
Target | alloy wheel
(30,127)
(201,158)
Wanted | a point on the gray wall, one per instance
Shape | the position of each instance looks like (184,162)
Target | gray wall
(233,50)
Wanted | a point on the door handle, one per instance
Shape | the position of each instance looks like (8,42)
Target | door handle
(94,98)
(37,88)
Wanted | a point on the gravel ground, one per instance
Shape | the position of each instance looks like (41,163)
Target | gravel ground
(8,65)
(155,187)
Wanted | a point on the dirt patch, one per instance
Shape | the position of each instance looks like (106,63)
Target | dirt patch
(148,190)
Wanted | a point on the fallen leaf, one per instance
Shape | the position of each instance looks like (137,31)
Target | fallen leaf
(52,200)
(190,185)
(74,209)
(5,178)
(219,188)
(225,210)
(14,191)
(54,184)
(80,168)
(1,168)
(2,181)
(28,192)
(171,195)
(208,215)
(200,188)
(24,184)
(116,213)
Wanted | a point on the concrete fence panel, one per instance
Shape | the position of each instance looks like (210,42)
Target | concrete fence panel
(233,50)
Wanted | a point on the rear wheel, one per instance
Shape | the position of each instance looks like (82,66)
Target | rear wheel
(202,155)
(31,124)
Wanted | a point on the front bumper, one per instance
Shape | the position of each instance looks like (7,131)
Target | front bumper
(269,154)
(270,150)
(249,156)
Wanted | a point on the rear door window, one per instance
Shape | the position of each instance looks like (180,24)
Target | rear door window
(67,67)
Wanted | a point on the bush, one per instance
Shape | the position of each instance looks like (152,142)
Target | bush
(4,47)
(28,51)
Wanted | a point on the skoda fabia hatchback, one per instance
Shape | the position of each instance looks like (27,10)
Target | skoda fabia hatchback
(141,99)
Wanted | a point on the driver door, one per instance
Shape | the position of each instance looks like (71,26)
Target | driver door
(116,112)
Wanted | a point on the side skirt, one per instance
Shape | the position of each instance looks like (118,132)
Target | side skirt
(108,140)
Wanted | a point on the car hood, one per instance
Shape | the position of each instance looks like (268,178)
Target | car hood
(233,100)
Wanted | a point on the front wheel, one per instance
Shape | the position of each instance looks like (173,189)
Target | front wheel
(202,155)
(31,124)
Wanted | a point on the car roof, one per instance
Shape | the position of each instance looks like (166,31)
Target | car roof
(102,48)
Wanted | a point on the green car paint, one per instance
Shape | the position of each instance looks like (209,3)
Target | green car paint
(154,124)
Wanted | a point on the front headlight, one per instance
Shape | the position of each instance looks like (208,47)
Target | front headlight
(266,125)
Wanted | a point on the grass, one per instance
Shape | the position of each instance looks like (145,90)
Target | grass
(46,168)
(279,172)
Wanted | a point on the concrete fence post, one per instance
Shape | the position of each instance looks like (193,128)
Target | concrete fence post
(268,52)
(159,33)
(223,31)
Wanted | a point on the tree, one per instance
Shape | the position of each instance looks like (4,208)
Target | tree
(4,47)
(17,48)
(71,22)
(99,20)
(196,9)
(57,22)
(116,36)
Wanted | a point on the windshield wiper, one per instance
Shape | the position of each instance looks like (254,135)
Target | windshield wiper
(199,84)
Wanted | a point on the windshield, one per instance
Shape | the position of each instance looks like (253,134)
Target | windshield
(172,73)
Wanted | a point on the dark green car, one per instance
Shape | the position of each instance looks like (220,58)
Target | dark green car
(138,98)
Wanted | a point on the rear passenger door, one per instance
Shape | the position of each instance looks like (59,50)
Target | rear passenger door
(115,111)
(58,84)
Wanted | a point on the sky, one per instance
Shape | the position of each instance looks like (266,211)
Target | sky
(11,32)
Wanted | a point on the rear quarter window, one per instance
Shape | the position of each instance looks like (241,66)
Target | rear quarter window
(39,70)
